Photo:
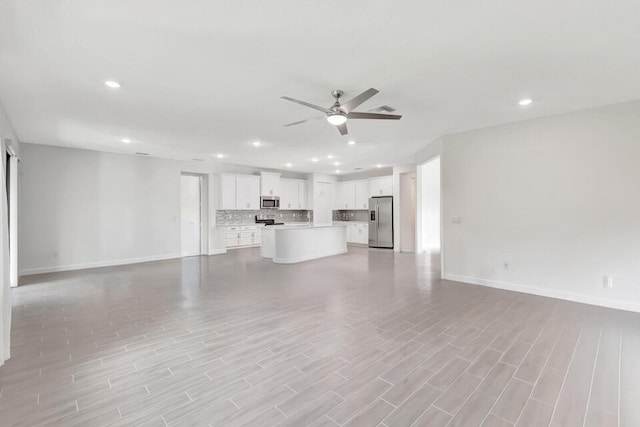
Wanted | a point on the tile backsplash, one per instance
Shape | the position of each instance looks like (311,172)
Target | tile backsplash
(351,215)
(248,217)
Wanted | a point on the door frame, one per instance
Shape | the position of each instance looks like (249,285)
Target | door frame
(12,165)
(204,211)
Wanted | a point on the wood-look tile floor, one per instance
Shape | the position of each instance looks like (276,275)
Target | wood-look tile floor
(368,338)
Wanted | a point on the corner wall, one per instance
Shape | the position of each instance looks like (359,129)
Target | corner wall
(548,206)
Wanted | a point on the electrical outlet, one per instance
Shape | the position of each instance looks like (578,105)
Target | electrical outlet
(608,282)
(506,266)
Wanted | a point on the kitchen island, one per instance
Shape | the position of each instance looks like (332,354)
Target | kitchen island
(286,244)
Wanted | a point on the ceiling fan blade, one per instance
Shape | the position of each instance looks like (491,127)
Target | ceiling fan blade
(353,103)
(343,129)
(315,107)
(376,116)
(303,121)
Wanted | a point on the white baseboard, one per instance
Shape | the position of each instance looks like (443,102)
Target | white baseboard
(551,293)
(218,251)
(70,267)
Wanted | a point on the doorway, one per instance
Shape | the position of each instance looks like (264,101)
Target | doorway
(429,234)
(408,212)
(192,215)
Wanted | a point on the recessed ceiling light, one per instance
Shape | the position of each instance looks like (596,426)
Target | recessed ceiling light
(314,160)
(126,140)
(257,143)
(336,164)
(378,165)
(337,170)
(289,165)
(330,156)
(352,142)
(219,155)
(112,84)
(524,102)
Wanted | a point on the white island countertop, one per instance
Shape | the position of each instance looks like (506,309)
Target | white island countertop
(288,244)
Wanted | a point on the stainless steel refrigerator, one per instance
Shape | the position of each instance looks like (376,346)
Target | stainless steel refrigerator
(381,222)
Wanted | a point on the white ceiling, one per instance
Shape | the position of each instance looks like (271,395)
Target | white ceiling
(203,77)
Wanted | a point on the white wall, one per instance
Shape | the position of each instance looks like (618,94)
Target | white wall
(429,212)
(430,151)
(557,198)
(84,208)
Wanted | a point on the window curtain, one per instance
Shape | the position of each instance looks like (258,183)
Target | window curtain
(5,289)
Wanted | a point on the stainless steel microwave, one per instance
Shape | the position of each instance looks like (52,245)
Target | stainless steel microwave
(270,202)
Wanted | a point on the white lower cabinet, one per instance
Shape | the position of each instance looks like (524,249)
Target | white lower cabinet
(358,233)
(243,235)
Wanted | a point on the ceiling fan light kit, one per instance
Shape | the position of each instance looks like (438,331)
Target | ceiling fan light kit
(338,114)
(337,119)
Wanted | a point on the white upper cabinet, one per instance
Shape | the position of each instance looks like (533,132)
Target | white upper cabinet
(239,192)
(270,184)
(289,194)
(247,192)
(303,194)
(227,192)
(381,186)
(353,195)
(293,194)
(346,195)
(362,195)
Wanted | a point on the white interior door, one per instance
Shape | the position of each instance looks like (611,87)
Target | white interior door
(190,215)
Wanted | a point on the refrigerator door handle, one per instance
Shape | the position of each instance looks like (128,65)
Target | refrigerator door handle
(377,218)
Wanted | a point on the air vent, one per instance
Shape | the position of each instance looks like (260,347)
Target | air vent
(198,160)
(141,154)
(384,108)
(357,169)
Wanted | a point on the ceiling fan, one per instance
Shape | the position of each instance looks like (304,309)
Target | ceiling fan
(338,113)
